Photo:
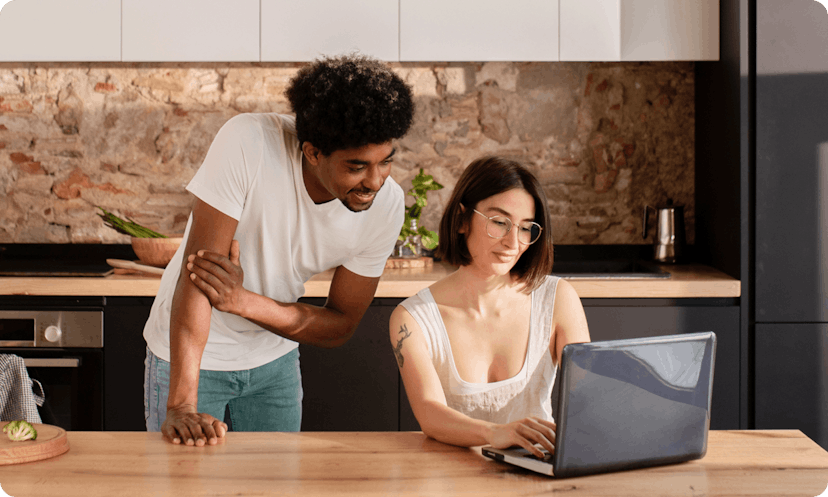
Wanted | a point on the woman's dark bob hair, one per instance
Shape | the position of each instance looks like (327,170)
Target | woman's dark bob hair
(483,178)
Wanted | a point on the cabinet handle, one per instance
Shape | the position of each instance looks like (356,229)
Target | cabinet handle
(51,363)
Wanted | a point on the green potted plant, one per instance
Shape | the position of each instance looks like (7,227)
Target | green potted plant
(413,237)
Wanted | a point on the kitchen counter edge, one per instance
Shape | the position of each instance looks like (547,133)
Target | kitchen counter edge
(686,281)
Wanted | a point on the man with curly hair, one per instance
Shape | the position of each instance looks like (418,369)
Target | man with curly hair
(278,200)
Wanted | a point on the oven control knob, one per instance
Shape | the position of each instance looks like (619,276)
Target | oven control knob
(52,333)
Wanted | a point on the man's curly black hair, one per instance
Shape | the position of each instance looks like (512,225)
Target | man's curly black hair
(348,102)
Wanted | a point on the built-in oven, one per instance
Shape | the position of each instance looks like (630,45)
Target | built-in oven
(61,343)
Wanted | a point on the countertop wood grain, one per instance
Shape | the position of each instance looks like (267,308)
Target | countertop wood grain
(686,281)
(396,463)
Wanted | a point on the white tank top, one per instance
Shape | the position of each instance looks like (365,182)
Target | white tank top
(529,393)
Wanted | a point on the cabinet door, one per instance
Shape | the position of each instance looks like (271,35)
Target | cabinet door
(353,387)
(791,162)
(124,354)
(612,323)
(472,30)
(302,31)
(590,30)
(670,30)
(190,30)
(791,389)
(628,30)
(60,30)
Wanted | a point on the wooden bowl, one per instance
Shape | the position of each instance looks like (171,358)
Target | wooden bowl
(156,252)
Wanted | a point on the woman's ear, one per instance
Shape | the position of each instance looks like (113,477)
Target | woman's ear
(462,229)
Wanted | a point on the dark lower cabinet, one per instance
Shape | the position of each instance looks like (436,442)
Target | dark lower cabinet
(354,387)
(791,388)
(357,387)
(124,353)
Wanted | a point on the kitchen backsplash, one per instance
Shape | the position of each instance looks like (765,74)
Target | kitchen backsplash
(605,139)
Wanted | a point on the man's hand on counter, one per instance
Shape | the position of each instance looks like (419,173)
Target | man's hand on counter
(184,425)
(220,278)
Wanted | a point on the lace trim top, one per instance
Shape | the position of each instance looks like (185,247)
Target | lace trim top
(528,393)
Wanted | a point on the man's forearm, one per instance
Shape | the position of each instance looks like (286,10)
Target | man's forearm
(189,329)
(300,322)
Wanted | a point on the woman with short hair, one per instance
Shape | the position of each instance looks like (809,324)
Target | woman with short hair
(478,350)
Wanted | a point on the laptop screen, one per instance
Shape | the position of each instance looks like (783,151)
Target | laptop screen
(633,403)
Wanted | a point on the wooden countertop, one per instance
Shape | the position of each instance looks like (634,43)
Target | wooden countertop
(396,463)
(686,281)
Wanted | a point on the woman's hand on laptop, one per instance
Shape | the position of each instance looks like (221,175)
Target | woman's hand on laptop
(524,433)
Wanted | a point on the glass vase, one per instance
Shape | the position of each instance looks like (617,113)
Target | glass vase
(412,246)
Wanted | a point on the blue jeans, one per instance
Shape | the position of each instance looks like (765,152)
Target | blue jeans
(267,398)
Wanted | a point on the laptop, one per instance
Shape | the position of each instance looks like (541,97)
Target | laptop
(626,404)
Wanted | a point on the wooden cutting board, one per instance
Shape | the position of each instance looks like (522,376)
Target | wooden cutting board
(122,264)
(51,441)
(404,263)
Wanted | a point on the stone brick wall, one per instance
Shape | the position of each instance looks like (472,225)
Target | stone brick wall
(604,138)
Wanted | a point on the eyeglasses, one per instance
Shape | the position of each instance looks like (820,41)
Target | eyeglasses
(499,226)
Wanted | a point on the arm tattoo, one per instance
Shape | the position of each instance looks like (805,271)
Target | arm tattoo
(398,348)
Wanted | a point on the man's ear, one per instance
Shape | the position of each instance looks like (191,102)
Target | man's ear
(311,153)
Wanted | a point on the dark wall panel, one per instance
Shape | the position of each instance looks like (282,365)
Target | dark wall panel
(792,378)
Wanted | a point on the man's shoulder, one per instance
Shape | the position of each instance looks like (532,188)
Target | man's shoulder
(263,121)
(391,199)
(395,191)
(271,130)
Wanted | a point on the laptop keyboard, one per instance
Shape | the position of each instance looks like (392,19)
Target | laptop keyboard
(547,456)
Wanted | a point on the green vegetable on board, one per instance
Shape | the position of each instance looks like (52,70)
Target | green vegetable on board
(130,227)
(20,430)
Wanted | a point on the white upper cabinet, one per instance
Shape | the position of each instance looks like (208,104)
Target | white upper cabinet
(478,30)
(590,30)
(305,29)
(631,30)
(190,30)
(390,30)
(60,30)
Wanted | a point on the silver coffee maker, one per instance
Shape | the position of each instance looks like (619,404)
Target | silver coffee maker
(669,233)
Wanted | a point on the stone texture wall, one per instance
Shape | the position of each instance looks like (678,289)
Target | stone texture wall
(604,138)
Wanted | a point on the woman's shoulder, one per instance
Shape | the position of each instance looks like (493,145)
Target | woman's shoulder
(549,286)
(564,286)
(419,299)
(557,290)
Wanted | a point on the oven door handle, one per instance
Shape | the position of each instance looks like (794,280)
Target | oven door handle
(51,363)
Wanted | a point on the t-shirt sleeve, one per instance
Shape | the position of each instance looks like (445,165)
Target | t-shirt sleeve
(371,261)
(230,166)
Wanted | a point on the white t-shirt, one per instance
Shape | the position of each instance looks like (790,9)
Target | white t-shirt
(253,173)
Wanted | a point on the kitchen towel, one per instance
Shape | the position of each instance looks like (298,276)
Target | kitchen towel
(18,399)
